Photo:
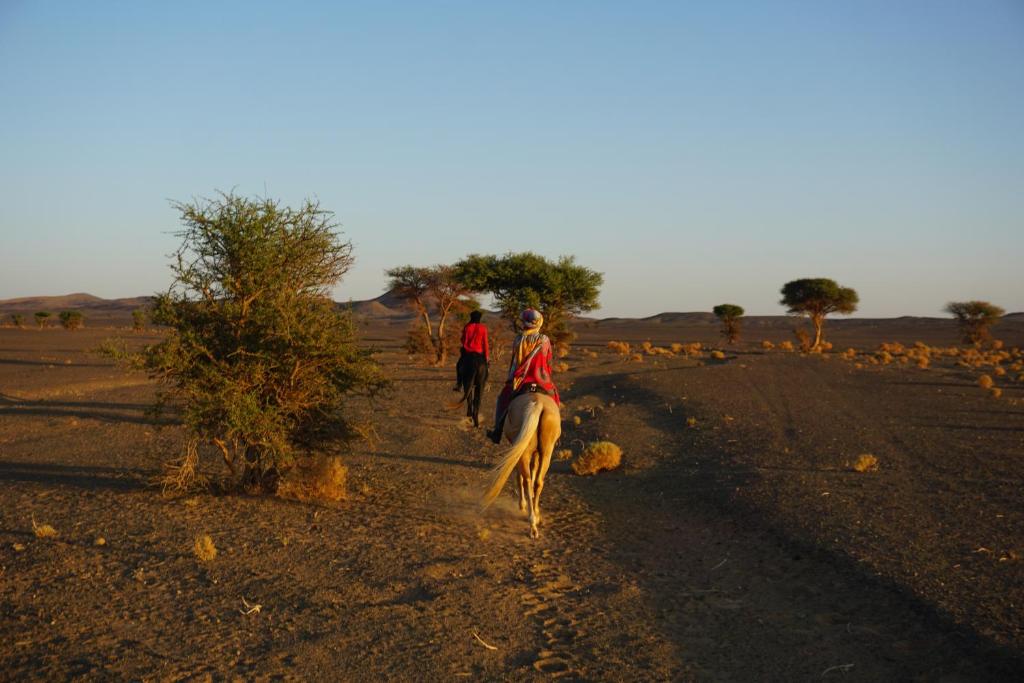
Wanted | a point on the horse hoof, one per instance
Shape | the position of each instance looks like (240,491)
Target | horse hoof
(534,533)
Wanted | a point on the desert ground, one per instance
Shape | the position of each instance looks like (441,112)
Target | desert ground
(734,543)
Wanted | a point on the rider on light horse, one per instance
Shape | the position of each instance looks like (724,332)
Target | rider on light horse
(529,370)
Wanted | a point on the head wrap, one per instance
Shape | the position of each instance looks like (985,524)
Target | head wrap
(531,319)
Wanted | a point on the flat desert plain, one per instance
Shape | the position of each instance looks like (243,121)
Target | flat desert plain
(735,542)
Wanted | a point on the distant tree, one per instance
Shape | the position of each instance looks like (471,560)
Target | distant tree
(18,319)
(817,298)
(42,318)
(730,315)
(558,289)
(258,356)
(975,319)
(71,320)
(436,285)
(139,319)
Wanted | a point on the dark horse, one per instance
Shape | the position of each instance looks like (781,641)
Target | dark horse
(472,373)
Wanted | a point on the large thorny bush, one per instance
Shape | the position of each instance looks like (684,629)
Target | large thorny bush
(258,356)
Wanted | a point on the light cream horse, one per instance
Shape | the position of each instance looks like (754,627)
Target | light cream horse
(533,426)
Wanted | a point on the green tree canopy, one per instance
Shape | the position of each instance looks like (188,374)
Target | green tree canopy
(975,318)
(71,320)
(817,298)
(558,289)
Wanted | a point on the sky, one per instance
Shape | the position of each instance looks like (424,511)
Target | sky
(694,153)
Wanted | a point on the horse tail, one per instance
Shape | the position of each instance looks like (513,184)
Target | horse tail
(502,471)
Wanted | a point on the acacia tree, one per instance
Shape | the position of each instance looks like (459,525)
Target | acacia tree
(817,298)
(730,315)
(436,285)
(42,317)
(258,356)
(71,320)
(975,318)
(559,289)
(18,319)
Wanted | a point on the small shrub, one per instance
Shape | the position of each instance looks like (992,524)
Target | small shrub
(204,549)
(691,422)
(923,362)
(803,338)
(637,357)
(767,345)
(676,347)
(315,478)
(718,355)
(999,372)
(786,346)
(850,354)
(995,392)
(621,348)
(563,454)
(139,319)
(43,530)
(985,382)
(71,320)
(598,456)
(647,348)
(865,462)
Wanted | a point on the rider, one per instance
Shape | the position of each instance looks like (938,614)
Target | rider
(529,370)
(474,341)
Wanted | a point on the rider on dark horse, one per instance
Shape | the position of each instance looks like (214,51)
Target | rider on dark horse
(474,343)
(529,370)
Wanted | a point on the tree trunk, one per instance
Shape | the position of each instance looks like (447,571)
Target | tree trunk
(439,345)
(818,321)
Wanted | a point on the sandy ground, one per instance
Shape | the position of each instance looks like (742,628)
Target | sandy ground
(734,543)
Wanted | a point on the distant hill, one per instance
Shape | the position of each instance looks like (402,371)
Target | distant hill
(79,301)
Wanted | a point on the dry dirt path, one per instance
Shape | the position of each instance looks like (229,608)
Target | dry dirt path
(657,572)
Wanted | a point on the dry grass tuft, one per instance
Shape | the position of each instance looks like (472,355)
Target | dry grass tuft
(995,392)
(767,345)
(315,478)
(182,475)
(986,382)
(598,456)
(43,530)
(998,371)
(561,367)
(637,358)
(865,462)
(786,345)
(718,355)
(621,348)
(100,541)
(204,548)
(563,454)
(577,420)
(923,362)
(691,422)
(676,347)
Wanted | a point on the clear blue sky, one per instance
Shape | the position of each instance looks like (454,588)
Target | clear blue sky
(695,153)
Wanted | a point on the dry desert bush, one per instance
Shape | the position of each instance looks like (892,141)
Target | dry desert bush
(865,462)
(563,454)
(43,530)
(597,456)
(203,548)
(621,348)
(767,345)
(718,355)
(986,382)
(786,346)
(320,478)
(995,392)
(676,347)
(637,358)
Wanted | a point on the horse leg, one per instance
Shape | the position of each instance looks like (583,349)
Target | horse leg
(525,491)
(551,429)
